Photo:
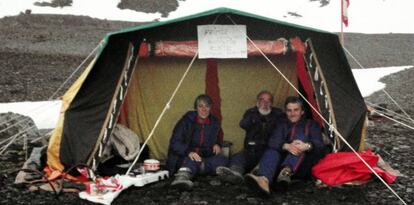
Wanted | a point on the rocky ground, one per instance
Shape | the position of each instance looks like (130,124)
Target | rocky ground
(39,52)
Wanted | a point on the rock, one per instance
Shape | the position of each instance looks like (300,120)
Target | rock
(309,190)
(343,198)
(16,127)
(241,197)
(404,147)
(185,196)
(252,200)
(215,182)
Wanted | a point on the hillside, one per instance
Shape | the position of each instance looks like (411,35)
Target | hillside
(40,50)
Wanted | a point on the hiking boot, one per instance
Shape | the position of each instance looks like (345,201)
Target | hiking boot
(284,177)
(231,175)
(182,180)
(259,184)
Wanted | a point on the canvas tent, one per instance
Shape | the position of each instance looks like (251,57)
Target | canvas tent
(137,69)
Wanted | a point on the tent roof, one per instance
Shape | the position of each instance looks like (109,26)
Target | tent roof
(221,10)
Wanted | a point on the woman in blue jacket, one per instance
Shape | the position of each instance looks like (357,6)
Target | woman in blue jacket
(195,144)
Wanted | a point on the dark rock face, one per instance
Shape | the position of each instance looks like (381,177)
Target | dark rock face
(54,3)
(150,6)
(17,127)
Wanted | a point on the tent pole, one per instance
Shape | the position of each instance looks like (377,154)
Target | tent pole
(341,22)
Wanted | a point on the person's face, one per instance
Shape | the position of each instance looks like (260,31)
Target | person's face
(294,112)
(203,110)
(264,103)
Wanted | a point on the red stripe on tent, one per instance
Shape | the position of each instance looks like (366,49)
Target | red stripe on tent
(143,49)
(190,48)
(307,86)
(213,90)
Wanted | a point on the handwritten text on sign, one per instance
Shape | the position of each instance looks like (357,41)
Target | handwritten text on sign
(222,41)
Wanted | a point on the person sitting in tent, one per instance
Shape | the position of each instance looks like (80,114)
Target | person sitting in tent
(294,147)
(258,122)
(195,144)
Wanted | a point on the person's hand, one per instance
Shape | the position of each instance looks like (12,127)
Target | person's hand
(293,149)
(301,145)
(194,156)
(216,149)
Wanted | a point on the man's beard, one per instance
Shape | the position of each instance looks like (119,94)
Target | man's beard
(264,112)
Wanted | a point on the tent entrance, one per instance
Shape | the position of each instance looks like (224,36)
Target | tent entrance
(239,81)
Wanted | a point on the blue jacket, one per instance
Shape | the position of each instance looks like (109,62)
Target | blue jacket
(259,127)
(189,135)
(305,130)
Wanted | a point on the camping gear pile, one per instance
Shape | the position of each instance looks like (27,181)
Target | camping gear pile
(105,190)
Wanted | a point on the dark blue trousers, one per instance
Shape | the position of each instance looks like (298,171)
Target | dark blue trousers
(272,161)
(207,166)
(246,160)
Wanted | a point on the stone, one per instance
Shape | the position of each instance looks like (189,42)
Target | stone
(252,200)
(215,182)
(241,196)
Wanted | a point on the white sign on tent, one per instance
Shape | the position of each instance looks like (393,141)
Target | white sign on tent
(222,41)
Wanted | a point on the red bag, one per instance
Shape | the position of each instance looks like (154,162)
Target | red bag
(345,167)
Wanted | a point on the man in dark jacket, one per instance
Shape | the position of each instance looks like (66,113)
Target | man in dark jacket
(195,145)
(258,122)
(293,147)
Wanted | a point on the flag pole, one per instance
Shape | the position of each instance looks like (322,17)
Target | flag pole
(342,22)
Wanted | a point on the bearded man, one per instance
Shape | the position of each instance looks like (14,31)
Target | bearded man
(258,122)
(293,149)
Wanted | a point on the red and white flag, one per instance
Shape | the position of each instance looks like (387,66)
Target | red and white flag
(345,5)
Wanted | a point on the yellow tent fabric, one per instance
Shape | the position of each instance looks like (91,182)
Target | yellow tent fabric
(239,80)
(152,85)
(53,152)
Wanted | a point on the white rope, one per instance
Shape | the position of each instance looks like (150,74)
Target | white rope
(395,102)
(41,137)
(76,70)
(60,87)
(25,147)
(12,125)
(320,115)
(334,128)
(14,138)
(386,93)
(33,111)
(391,112)
(390,118)
(353,58)
(166,107)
